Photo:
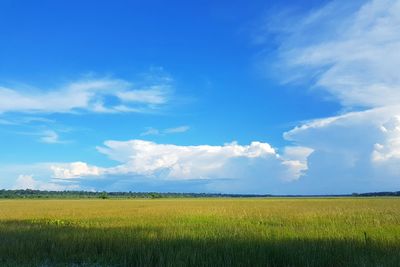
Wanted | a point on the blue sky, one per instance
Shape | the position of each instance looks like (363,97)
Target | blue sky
(297,97)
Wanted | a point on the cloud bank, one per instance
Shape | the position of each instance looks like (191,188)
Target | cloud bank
(233,164)
(356,61)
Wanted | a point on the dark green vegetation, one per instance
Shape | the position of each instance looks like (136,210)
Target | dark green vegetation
(201,232)
(28,193)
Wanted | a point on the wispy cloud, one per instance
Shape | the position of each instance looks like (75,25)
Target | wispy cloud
(6,122)
(43,134)
(180,129)
(50,137)
(349,50)
(105,95)
(150,131)
(17,120)
(174,130)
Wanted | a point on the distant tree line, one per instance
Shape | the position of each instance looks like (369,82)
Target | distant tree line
(377,194)
(28,193)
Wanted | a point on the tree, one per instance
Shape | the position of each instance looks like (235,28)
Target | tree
(103,195)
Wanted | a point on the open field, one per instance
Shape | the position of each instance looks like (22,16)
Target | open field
(201,232)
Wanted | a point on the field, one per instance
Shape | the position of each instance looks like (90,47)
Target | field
(201,232)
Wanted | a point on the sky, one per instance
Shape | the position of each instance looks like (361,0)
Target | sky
(260,97)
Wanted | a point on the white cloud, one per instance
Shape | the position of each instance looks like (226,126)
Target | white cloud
(28,182)
(154,131)
(386,153)
(150,131)
(44,136)
(295,158)
(180,162)
(358,151)
(92,95)
(355,58)
(13,121)
(253,167)
(180,129)
(74,170)
(350,51)
(50,137)
(25,182)
(154,95)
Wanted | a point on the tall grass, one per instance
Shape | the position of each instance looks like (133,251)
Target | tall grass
(201,232)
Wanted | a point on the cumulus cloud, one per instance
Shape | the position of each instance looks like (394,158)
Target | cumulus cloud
(28,182)
(254,167)
(74,170)
(386,152)
(355,59)
(180,162)
(91,95)
(25,182)
(295,158)
(357,151)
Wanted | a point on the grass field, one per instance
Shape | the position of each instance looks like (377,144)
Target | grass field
(201,232)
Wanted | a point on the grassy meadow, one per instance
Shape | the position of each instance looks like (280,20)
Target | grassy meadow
(201,232)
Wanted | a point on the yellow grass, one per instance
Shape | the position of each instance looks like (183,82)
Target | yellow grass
(201,232)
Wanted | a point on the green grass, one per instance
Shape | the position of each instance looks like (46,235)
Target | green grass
(201,232)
